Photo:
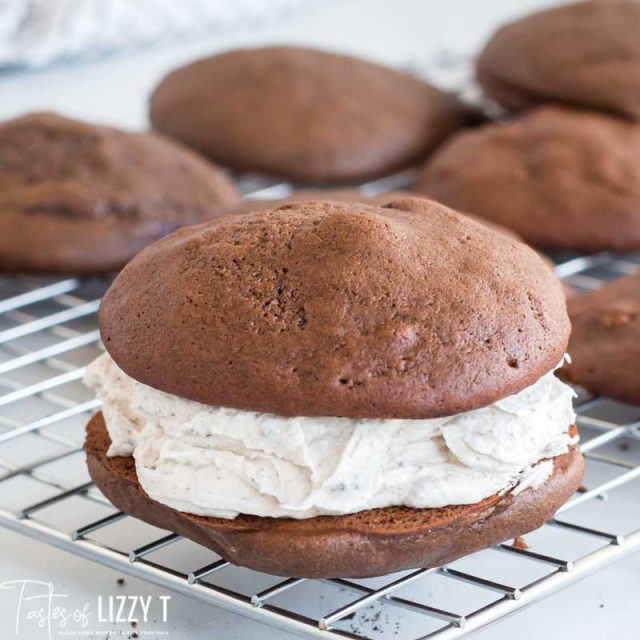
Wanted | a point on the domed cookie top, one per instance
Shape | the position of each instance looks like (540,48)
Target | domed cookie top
(338,309)
(84,198)
(558,177)
(303,114)
(248,205)
(585,54)
(344,194)
(605,340)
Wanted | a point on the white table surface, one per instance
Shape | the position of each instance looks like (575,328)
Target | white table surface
(114,91)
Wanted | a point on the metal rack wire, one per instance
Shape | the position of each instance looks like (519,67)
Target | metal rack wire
(48,334)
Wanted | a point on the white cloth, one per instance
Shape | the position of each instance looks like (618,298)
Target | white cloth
(36,32)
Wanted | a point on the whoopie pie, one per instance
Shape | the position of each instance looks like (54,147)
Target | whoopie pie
(328,389)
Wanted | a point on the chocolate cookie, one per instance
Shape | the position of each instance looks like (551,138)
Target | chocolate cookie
(249,205)
(558,177)
(368,543)
(584,54)
(77,197)
(605,341)
(348,195)
(356,195)
(303,114)
(338,309)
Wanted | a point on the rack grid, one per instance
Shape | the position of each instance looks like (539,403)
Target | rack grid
(48,334)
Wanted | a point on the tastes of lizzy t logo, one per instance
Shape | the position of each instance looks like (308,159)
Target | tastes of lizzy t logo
(39,606)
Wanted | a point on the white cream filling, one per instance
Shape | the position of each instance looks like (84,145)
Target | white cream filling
(219,461)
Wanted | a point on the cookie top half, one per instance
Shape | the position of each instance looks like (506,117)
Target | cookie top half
(557,176)
(406,310)
(85,198)
(303,114)
(248,205)
(585,54)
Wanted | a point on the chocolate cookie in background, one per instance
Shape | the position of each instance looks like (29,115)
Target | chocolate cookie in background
(324,331)
(559,177)
(303,114)
(81,198)
(605,340)
(585,54)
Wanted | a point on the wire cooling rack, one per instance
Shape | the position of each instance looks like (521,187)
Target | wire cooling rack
(48,334)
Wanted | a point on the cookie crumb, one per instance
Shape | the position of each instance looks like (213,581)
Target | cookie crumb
(519,543)
(582,489)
